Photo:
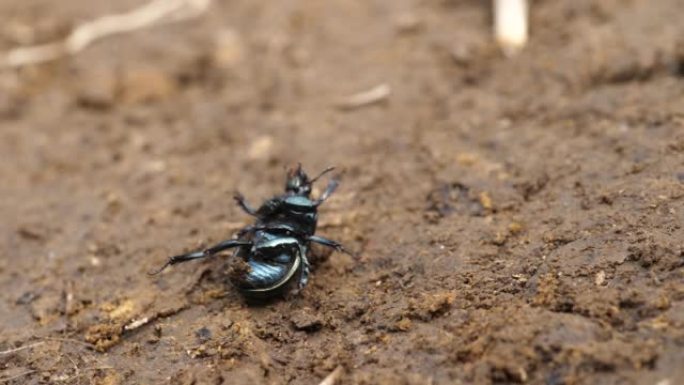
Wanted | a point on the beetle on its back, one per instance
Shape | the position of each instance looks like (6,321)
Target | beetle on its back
(274,249)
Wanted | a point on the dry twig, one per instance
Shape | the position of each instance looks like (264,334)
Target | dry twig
(511,25)
(154,12)
(71,340)
(374,95)
(10,351)
(332,377)
(22,374)
(140,322)
(76,369)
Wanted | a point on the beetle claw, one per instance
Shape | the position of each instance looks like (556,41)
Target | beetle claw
(168,263)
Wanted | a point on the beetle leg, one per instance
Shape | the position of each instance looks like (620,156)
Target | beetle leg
(304,276)
(270,207)
(208,252)
(332,186)
(330,243)
(242,202)
(247,230)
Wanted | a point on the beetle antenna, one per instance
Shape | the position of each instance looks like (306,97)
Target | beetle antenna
(164,266)
(327,170)
(292,171)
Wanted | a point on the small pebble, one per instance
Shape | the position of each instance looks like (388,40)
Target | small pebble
(96,91)
(307,321)
(261,148)
(600,278)
(203,334)
(26,298)
(229,49)
(408,23)
(146,85)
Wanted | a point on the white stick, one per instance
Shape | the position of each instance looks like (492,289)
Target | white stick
(9,351)
(154,12)
(371,96)
(332,377)
(510,25)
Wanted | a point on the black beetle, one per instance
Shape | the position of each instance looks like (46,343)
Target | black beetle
(275,247)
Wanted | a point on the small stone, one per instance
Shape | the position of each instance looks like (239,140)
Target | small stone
(95,261)
(203,334)
(261,148)
(306,320)
(432,305)
(600,278)
(515,228)
(461,54)
(485,200)
(31,232)
(466,159)
(27,298)
(403,324)
(121,309)
(155,166)
(47,307)
(11,106)
(104,336)
(96,91)
(500,238)
(146,85)
(112,378)
(408,23)
(229,49)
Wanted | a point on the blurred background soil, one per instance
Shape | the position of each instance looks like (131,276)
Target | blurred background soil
(519,220)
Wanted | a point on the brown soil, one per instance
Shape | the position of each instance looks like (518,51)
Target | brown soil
(518,220)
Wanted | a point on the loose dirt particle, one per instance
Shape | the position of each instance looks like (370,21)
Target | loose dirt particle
(432,305)
(600,278)
(261,148)
(485,200)
(144,85)
(403,324)
(306,320)
(104,336)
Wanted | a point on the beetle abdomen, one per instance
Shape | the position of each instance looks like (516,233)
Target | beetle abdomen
(263,274)
(273,261)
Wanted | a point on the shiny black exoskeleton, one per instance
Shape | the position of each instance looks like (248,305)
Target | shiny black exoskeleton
(275,248)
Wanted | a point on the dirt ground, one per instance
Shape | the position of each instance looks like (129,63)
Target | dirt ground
(518,220)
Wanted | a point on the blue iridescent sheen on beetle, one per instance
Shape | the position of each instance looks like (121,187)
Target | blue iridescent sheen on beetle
(275,247)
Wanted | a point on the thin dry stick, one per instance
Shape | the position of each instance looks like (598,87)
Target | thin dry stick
(10,351)
(84,370)
(81,372)
(72,340)
(78,372)
(155,12)
(332,377)
(8,379)
(374,95)
(140,322)
(510,24)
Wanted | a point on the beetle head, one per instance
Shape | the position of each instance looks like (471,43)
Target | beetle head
(298,183)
